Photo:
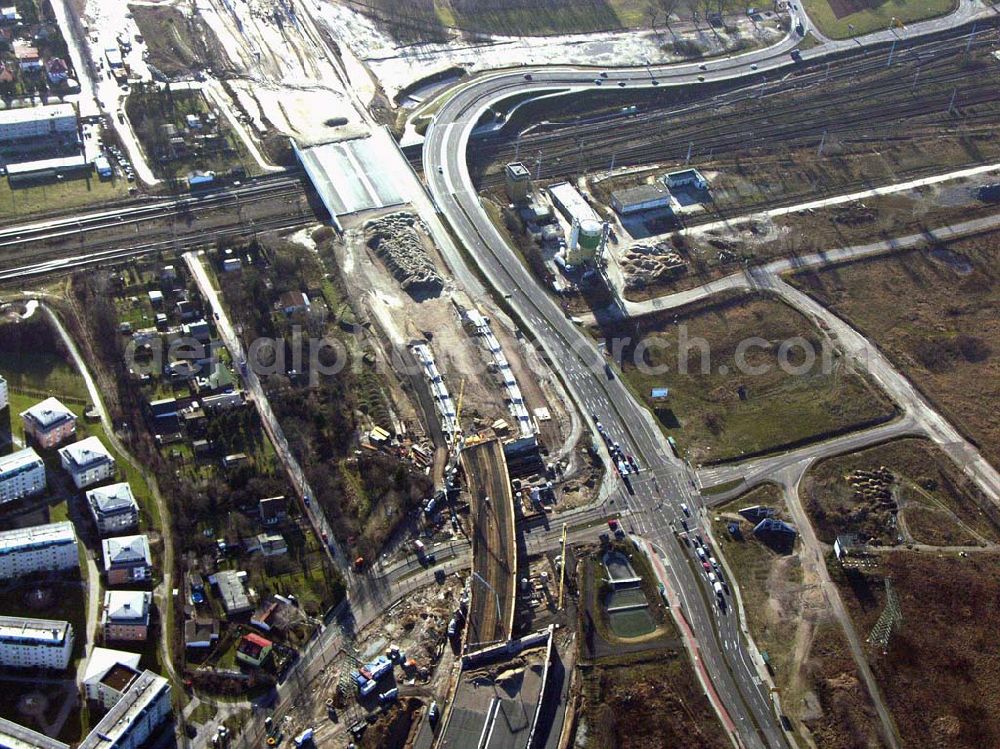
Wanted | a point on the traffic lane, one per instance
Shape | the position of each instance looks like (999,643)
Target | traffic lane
(552,318)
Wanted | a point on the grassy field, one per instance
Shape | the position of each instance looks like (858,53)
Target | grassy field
(836,20)
(788,618)
(940,669)
(933,312)
(177,44)
(727,405)
(428,19)
(651,700)
(938,505)
(74,192)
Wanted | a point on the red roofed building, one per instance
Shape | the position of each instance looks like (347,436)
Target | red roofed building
(253,649)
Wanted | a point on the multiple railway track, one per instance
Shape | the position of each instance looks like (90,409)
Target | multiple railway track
(925,87)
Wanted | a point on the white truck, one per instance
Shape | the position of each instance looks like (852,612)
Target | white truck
(718,590)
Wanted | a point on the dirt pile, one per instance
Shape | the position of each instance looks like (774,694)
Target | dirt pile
(397,239)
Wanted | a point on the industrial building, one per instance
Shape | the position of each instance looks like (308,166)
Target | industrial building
(640,198)
(571,203)
(40,548)
(126,615)
(133,719)
(586,241)
(49,423)
(517,181)
(113,508)
(686,178)
(587,234)
(127,559)
(87,461)
(22,474)
(35,643)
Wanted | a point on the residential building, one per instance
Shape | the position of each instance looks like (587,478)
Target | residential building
(133,719)
(266,617)
(39,548)
(292,302)
(22,474)
(35,643)
(49,423)
(36,125)
(4,394)
(14,736)
(57,70)
(200,633)
(222,401)
(268,544)
(113,508)
(126,615)
(9,15)
(235,461)
(199,330)
(127,559)
(87,461)
(233,594)
(253,649)
(273,511)
(108,675)
(27,55)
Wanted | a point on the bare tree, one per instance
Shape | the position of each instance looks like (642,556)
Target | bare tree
(668,7)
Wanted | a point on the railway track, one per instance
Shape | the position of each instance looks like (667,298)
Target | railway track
(856,100)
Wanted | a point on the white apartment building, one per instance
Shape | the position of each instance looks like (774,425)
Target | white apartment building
(29,123)
(135,717)
(49,423)
(40,548)
(109,674)
(87,461)
(14,736)
(35,643)
(21,475)
(113,508)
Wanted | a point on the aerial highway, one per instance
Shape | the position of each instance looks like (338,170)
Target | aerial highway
(664,486)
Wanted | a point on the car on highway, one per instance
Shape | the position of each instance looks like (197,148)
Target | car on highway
(685,510)
(703,66)
(440,170)
(698,540)
(604,74)
(527,76)
(707,566)
(621,83)
(701,79)
(753,66)
(655,82)
(796,55)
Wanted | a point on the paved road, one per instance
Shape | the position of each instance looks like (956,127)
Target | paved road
(665,484)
